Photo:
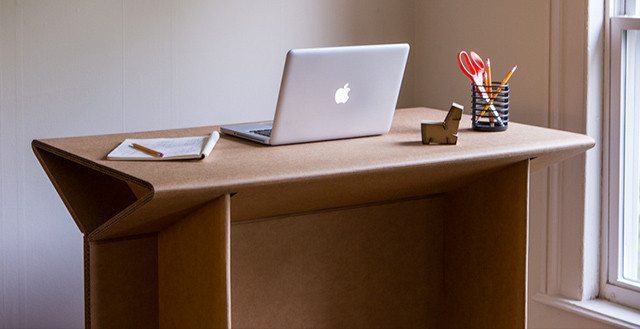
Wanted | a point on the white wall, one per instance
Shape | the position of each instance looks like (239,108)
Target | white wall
(91,67)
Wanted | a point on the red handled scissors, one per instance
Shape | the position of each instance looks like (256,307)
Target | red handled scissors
(474,70)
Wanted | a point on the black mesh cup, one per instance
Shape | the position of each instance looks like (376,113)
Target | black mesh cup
(490,110)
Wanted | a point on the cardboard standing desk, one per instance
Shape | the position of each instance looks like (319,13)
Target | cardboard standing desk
(360,233)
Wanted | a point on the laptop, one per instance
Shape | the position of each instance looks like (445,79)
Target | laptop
(332,93)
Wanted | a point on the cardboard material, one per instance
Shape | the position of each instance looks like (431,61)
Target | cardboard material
(239,166)
(485,257)
(375,266)
(122,283)
(180,217)
(443,132)
(194,271)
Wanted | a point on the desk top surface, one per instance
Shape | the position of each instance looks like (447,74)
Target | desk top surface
(236,162)
(244,167)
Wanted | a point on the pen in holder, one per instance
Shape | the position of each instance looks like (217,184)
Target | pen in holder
(490,107)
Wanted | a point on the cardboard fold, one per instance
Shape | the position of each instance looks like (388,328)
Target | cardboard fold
(91,194)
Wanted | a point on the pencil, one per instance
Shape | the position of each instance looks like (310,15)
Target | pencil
(489,82)
(147,150)
(506,79)
(504,82)
(489,76)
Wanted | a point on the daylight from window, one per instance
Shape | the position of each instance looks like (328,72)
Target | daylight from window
(631,103)
(621,275)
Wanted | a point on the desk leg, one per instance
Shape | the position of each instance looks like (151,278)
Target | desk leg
(194,271)
(485,251)
(121,283)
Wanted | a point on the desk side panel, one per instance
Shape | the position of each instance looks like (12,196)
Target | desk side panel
(485,251)
(122,283)
(193,269)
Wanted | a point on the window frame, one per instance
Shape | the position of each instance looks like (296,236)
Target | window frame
(613,287)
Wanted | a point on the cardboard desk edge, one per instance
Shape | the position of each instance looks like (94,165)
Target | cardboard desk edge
(264,167)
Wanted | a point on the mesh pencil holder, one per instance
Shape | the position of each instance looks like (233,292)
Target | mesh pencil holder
(490,110)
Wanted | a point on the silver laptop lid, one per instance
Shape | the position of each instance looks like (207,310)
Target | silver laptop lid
(338,92)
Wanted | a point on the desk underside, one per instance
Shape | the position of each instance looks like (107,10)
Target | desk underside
(452,260)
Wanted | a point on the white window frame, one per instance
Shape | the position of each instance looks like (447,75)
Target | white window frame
(575,230)
(613,286)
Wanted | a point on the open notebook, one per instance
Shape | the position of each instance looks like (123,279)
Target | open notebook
(182,148)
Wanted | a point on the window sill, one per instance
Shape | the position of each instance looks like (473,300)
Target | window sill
(597,309)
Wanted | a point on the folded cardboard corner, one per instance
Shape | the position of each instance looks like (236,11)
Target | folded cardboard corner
(92,194)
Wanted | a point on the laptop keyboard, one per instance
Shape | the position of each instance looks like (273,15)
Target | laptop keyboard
(263,132)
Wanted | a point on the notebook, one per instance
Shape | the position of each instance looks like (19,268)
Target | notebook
(182,148)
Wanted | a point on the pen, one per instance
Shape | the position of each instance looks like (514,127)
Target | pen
(147,150)
(504,82)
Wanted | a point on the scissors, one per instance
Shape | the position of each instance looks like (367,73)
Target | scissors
(474,70)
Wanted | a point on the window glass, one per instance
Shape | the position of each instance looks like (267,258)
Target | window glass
(630,228)
(633,8)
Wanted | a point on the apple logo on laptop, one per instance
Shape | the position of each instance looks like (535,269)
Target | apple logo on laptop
(342,94)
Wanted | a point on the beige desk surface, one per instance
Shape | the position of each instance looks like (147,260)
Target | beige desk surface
(236,165)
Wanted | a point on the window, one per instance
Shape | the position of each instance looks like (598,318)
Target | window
(621,277)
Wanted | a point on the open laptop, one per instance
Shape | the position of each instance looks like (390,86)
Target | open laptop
(332,93)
